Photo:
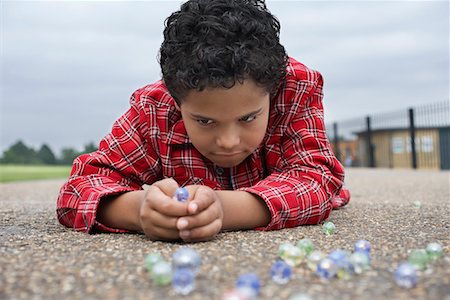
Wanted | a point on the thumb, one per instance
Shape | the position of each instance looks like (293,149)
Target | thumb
(168,186)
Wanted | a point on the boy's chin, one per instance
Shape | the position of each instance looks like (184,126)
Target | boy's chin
(228,164)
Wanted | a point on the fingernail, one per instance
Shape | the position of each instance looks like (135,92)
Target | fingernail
(193,207)
(185,233)
(182,223)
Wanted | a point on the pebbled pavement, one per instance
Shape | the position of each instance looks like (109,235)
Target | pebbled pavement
(41,259)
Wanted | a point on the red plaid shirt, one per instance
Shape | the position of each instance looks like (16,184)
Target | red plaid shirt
(294,170)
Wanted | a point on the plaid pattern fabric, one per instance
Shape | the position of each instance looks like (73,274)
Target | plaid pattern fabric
(294,170)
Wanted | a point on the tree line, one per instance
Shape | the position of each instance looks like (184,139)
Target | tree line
(20,153)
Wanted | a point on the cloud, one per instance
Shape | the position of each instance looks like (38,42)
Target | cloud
(68,68)
(374,56)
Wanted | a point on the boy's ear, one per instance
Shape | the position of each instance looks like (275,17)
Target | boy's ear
(177,106)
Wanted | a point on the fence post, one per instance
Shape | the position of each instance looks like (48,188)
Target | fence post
(412,134)
(337,150)
(369,144)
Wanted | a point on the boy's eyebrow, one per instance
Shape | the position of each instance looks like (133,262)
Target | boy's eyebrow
(246,115)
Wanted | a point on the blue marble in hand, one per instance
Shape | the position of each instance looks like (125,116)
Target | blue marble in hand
(182,194)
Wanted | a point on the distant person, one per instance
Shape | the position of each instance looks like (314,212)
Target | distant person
(234,120)
(348,157)
(348,161)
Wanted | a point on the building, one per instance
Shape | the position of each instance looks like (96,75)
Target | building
(392,147)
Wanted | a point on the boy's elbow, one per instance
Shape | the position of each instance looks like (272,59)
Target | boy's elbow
(325,211)
(66,216)
(321,214)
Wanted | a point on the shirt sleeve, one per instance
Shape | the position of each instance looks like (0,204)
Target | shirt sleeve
(306,174)
(124,161)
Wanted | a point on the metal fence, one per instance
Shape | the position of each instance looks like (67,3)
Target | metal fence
(415,138)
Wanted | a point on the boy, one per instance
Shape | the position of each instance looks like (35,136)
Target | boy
(234,120)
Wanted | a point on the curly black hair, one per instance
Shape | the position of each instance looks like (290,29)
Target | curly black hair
(214,43)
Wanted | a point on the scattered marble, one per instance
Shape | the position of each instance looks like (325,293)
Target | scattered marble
(328,228)
(406,275)
(183,281)
(281,272)
(162,273)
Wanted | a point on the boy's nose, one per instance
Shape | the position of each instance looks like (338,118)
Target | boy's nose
(228,140)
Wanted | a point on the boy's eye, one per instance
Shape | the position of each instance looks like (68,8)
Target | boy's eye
(248,118)
(204,122)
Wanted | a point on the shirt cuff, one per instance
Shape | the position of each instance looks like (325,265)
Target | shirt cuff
(274,195)
(100,227)
(292,205)
(85,218)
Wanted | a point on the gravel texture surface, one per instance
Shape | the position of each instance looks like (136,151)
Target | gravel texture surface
(41,259)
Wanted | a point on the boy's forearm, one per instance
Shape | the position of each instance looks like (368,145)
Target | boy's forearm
(243,210)
(121,212)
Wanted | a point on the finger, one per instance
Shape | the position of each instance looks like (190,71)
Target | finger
(201,219)
(168,186)
(155,199)
(203,198)
(203,233)
(157,219)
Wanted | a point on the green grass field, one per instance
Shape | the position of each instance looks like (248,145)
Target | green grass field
(9,173)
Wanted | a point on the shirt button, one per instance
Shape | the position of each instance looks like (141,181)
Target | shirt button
(219,170)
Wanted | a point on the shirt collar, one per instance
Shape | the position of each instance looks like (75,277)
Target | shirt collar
(177,134)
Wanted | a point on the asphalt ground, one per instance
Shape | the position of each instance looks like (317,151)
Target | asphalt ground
(40,259)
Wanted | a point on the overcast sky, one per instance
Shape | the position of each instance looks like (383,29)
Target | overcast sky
(69,68)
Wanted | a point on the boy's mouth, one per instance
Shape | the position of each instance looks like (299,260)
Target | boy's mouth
(228,154)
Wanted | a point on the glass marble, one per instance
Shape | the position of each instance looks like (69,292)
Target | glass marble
(281,272)
(341,259)
(406,275)
(417,204)
(338,255)
(283,248)
(328,228)
(419,259)
(239,294)
(188,258)
(306,246)
(300,296)
(151,259)
(434,251)
(183,281)
(359,262)
(162,273)
(362,246)
(181,194)
(292,255)
(313,259)
(326,268)
(249,280)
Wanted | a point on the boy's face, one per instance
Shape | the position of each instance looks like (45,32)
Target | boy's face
(226,125)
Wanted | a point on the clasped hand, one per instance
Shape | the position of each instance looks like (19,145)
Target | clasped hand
(163,218)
